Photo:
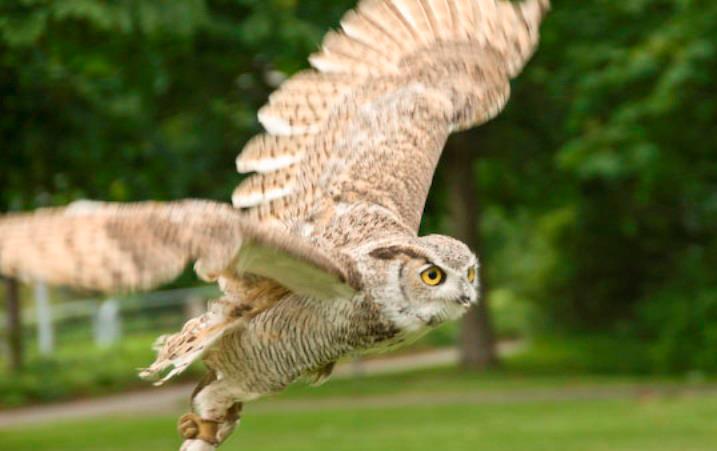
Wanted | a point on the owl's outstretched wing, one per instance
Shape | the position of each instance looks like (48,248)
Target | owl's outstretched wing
(121,247)
(368,125)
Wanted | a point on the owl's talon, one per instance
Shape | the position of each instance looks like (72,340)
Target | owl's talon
(187,426)
(186,423)
(192,426)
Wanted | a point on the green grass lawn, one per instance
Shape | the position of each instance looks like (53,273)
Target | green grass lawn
(676,425)
(650,423)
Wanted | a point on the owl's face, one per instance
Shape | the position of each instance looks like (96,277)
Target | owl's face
(430,280)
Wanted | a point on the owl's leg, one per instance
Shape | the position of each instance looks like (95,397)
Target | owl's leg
(215,415)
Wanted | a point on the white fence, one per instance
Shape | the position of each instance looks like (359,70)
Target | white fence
(106,317)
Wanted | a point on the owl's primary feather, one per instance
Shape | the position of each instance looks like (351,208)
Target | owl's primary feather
(320,258)
(369,124)
(113,247)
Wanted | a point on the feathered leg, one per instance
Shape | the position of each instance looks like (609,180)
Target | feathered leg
(216,413)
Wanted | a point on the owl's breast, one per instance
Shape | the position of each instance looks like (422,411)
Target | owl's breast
(298,336)
(394,325)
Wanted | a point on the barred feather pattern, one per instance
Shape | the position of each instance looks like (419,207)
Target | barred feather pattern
(274,349)
(111,247)
(244,299)
(386,91)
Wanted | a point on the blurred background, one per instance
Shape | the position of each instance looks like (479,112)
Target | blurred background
(592,201)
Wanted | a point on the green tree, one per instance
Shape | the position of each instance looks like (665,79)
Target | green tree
(610,182)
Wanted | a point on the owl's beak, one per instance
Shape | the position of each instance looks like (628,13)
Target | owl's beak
(464,300)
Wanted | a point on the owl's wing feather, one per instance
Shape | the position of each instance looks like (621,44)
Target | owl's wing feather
(369,123)
(112,247)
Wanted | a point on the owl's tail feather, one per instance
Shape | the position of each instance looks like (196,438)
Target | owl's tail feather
(176,352)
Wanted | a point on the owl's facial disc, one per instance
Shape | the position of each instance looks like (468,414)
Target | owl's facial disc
(436,290)
(461,283)
(434,276)
(432,280)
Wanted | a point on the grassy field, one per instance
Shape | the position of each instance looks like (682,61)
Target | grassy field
(414,412)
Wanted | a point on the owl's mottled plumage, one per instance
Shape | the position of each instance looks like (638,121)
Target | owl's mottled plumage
(319,258)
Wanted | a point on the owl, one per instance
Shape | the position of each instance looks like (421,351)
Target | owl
(319,256)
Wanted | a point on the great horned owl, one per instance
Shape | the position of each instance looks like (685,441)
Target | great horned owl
(319,257)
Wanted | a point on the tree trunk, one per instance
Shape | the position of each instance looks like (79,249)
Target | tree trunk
(14,324)
(477,340)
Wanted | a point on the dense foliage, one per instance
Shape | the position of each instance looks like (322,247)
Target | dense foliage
(597,187)
(600,182)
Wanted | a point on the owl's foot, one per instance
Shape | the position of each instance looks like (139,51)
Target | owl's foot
(202,434)
(192,427)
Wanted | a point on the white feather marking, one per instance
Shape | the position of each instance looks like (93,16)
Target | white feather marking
(273,124)
(267,164)
(350,26)
(406,13)
(277,125)
(324,63)
(342,208)
(241,200)
(306,230)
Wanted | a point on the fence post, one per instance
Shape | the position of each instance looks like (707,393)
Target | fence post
(43,312)
(14,325)
(107,324)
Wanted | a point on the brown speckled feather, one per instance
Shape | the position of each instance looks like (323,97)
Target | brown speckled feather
(177,351)
(369,124)
(121,247)
(127,247)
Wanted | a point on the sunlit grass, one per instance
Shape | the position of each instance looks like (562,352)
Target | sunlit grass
(657,424)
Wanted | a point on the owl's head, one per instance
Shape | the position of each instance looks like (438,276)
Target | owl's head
(429,280)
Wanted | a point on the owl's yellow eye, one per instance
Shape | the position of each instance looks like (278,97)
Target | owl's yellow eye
(471,276)
(433,276)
